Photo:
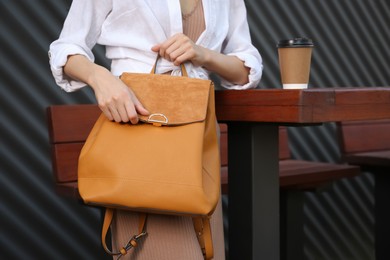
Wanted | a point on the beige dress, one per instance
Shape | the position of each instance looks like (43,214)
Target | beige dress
(170,237)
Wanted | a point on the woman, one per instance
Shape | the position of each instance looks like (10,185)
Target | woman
(210,36)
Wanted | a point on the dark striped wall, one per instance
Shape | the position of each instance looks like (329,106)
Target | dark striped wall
(352,49)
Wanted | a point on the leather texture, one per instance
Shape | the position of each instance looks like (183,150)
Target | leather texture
(168,163)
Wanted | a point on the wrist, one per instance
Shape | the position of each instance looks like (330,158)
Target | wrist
(207,59)
(96,72)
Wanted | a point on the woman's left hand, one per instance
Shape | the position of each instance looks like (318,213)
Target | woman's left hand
(180,48)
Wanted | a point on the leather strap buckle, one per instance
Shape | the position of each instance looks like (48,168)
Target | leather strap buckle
(133,242)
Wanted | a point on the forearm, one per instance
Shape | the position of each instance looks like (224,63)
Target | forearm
(78,67)
(114,98)
(228,67)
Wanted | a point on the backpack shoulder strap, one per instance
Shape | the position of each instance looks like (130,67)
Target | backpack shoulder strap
(133,242)
(203,232)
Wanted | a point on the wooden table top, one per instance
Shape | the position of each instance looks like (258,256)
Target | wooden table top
(303,106)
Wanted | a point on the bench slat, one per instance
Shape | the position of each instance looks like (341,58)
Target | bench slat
(298,173)
(369,159)
(71,123)
(364,136)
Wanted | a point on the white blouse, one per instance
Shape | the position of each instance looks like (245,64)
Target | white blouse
(129,29)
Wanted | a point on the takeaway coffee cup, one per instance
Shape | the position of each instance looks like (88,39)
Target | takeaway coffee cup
(294,62)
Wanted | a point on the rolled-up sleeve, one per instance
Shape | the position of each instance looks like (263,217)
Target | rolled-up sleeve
(238,43)
(58,55)
(79,34)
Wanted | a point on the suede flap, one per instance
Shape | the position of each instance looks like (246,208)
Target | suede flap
(171,100)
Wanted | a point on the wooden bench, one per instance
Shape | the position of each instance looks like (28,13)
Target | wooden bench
(293,174)
(69,126)
(367,144)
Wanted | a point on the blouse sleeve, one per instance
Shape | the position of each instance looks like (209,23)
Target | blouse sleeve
(238,43)
(79,34)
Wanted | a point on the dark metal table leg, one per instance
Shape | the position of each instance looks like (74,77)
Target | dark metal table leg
(291,225)
(382,214)
(253,191)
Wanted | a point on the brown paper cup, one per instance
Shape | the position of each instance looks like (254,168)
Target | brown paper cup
(294,61)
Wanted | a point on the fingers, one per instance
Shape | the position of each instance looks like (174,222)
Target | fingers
(141,110)
(156,48)
(107,113)
(120,112)
(178,49)
(124,109)
(130,113)
(134,108)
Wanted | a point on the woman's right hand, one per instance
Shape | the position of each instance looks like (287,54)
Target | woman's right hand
(117,101)
(114,98)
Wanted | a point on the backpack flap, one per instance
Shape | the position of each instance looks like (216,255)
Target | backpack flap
(164,98)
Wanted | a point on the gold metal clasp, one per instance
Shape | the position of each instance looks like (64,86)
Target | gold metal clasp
(158,119)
